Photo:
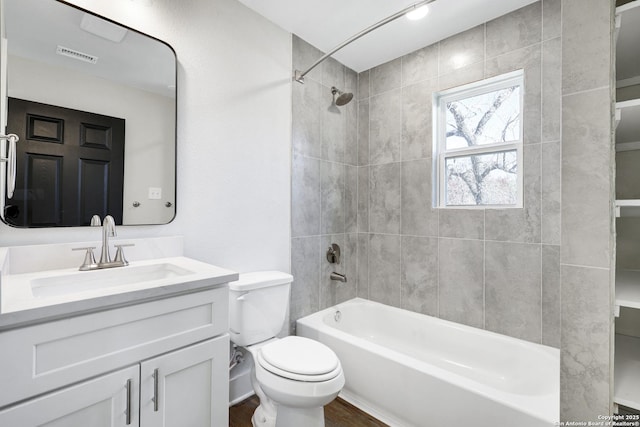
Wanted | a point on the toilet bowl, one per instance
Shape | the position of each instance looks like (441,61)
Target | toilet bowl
(294,377)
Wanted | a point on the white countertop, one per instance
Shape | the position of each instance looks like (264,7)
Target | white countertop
(21,306)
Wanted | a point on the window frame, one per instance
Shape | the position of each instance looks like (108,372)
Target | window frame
(441,154)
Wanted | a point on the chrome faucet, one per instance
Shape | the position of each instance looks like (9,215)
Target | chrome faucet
(108,230)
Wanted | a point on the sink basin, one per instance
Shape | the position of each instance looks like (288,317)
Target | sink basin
(43,281)
(79,282)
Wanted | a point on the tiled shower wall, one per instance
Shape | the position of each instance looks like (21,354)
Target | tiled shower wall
(324,180)
(496,269)
(587,192)
(371,191)
(513,271)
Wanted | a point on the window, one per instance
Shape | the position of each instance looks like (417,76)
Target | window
(478,143)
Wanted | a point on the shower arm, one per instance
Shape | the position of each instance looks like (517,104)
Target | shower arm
(299,75)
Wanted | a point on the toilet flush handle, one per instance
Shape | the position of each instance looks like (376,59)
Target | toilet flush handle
(242,297)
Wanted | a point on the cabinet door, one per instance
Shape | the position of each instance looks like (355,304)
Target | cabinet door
(107,401)
(188,387)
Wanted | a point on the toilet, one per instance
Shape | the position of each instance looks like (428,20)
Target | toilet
(294,377)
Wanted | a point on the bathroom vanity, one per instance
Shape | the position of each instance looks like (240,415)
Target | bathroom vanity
(115,352)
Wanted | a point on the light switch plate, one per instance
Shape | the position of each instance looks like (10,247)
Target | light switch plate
(155,193)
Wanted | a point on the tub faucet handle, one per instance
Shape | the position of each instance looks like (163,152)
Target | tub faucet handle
(333,254)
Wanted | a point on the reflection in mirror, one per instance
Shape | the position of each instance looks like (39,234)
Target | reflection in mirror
(94,105)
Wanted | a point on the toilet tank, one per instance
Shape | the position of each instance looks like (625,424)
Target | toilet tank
(258,305)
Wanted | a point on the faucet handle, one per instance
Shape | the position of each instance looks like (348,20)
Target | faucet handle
(89,262)
(120,253)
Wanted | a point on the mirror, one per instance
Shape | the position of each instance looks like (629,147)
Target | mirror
(94,105)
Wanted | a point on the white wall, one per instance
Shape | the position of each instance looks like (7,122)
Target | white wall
(149,130)
(234,125)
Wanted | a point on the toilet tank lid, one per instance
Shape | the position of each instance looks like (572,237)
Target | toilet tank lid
(260,279)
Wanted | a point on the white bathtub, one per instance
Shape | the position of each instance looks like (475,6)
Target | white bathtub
(408,369)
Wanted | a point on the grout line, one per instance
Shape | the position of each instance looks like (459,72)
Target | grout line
(438,265)
(580,92)
(560,181)
(584,266)
(484,270)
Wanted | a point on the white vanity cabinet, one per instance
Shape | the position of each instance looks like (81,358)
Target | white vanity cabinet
(101,402)
(173,390)
(158,363)
(177,388)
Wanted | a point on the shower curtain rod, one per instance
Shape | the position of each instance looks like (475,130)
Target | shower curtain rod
(299,76)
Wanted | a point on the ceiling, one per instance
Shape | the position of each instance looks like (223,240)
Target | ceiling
(35,28)
(327,23)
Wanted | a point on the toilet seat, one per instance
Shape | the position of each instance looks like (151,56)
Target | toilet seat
(299,359)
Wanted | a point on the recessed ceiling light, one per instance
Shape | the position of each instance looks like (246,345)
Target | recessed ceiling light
(418,13)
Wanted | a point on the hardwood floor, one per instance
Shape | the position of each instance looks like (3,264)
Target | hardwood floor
(338,413)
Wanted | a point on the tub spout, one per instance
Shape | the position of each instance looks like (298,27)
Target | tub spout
(339,277)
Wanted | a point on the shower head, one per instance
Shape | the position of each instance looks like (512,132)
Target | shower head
(343,97)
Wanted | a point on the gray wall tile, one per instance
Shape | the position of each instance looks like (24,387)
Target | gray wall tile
(551,19)
(513,289)
(417,215)
(585,343)
(384,196)
(305,268)
(350,267)
(350,112)
(351,199)
(460,272)
(303,56)
(332,73)
(363,85)
(420,65)
(551,89)
(306,130)
(520,225)
(305,196)
(363,133)
(363,199)
(363,265)
(385,127)
(551,302)
(420,274)
(468,74)
(586,44)
(586,160)
(551,194)
(385,77)
(461,50)
(517,29)
(333,128)
(417,120)
(350,82)
(461,223)
(384,269)
(332,177)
